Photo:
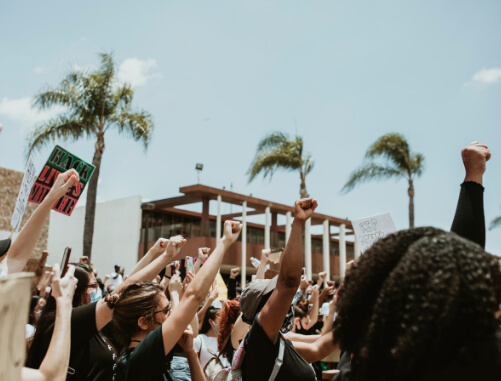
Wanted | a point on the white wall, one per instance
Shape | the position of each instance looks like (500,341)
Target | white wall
(116,234)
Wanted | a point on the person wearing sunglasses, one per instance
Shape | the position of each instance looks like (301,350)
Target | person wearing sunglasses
(147,328)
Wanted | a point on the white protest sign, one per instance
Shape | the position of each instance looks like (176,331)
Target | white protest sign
(28,179)
(369,229)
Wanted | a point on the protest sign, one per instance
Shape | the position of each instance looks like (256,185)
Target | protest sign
(60,161)
(368,230)
(22,198)
(15,295)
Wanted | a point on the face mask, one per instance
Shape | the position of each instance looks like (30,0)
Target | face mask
(95,295)
(215,329)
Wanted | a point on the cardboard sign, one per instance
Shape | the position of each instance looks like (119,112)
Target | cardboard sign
(368,230)
(60,161)
(15,296)
(22,198)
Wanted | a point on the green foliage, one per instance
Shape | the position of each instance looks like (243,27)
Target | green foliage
(496,222)
(388,157)
(94,102)
(278,151)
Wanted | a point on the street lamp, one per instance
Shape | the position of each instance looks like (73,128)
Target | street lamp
(199,167)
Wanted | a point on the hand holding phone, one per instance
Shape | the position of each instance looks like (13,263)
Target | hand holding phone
(65,261)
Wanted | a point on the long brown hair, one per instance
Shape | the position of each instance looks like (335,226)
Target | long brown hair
(136,300)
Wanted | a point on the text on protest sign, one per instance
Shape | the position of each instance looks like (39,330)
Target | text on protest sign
(368,230)
(22,198)
(60,161)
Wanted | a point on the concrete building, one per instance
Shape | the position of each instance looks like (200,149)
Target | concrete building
(164,218)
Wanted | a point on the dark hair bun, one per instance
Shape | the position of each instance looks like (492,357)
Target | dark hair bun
(111,300)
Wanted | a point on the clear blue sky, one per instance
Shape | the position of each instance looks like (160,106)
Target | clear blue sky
(219,75)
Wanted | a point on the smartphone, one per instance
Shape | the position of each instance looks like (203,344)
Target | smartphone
(189,264)
(304,271)
(65,261)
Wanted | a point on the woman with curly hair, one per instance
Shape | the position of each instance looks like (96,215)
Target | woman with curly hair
(420,304)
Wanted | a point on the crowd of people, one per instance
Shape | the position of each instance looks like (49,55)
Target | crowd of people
(420,304)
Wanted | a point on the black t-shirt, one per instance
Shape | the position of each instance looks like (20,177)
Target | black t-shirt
(92,357)
(261,353)
(146,362)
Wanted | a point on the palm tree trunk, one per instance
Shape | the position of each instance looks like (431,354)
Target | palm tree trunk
(302,189)
(410,191)
(90,207)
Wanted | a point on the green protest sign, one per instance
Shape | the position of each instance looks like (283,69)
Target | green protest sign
(60,161)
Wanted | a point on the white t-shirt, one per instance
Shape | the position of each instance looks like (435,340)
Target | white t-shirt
(115,279)
(201,343)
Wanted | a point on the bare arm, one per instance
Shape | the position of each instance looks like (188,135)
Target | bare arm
(261,270)
(55,363)
(157,249)
(172,328)
(25,242)
(105,313)
(292,336)
(208,302)
(238,332)
(203,254)
(329,319)
(314,310)
(273,313)
(316,351)
(186,344)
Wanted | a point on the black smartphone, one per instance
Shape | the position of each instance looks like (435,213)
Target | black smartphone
(65,261)
(277,251)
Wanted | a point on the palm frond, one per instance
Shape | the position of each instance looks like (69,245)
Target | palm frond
(416,164)
(138,125)
(268,162)
(272,141)
(495,223)
(60,128)
(393,147)
(368,172)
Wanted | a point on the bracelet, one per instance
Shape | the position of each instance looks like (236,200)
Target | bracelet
(168,277)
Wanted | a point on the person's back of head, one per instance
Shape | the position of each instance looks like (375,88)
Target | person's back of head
(417,301)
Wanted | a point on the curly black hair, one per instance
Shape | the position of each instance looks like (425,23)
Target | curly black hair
(419,296)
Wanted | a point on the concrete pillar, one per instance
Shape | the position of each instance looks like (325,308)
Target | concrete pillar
(218,219)
(287,226)
(342,251)
(307,247)
(267,227)
(356,248)
(326,249)
(244,244)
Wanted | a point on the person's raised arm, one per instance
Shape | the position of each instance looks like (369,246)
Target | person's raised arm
(157,249)
(203,254)
(469,220)
(173,327)
(314,310)
(273,313)
(22,247)
(232,283)
(104,313)
(186,344)
(55,363)
(265,257)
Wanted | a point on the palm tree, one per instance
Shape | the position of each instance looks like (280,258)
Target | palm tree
(495,223)
(94,102)
(278,151)
(390,157)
